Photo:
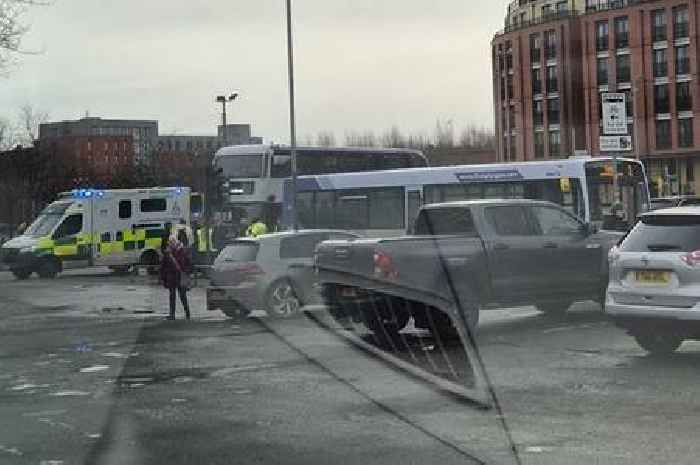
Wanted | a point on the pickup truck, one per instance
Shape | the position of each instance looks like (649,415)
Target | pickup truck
(461,258)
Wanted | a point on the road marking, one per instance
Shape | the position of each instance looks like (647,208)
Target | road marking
(94,369)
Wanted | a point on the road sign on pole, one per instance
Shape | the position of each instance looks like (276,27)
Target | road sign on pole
(615,143)
(614,114)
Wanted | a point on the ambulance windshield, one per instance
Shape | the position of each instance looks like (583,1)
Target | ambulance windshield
(48,219)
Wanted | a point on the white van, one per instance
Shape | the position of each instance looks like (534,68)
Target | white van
(86,227)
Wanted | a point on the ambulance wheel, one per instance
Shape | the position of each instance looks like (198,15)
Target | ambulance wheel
(48,268)
(151,261)
(21,274)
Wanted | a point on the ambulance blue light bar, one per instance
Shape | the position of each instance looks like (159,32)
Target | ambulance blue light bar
(87,193)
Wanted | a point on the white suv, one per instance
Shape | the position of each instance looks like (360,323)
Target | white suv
(654,289)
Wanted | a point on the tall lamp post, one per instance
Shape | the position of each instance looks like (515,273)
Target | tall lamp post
(223,100)
(292,116)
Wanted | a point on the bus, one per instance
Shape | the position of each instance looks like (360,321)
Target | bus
(384,204)
(252,176)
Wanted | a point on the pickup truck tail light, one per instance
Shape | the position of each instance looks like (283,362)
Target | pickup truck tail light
(384,266)
(692,258)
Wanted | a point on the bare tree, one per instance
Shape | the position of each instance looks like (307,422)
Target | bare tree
(393,138)
(13,28)
(6,134)
(325,139)
(28,125)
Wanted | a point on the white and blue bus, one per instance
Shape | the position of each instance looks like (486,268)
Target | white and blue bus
(253,176)
(385,203)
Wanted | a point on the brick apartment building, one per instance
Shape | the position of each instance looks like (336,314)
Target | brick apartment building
(554,59)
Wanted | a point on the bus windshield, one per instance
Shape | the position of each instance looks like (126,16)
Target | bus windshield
(616,209)
(241,166)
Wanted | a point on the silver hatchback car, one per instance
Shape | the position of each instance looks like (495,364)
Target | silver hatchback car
(274,272)
(654,289)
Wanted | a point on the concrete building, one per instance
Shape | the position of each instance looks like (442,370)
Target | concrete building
(142,132)
(646,49)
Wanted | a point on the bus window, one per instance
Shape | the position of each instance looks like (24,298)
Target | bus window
(241,166)
(626,202)
(414,204)
(281,165)
(387,208)
(352,211)
(325,205)
(306,213)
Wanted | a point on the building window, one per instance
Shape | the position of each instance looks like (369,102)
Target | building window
(550,44)
(682,60)
(509,85)
(663,134)
(513,148)
(690,170)
(623,68)
(546,12)
(602,71)
(661,103)
(684,100)
(505,149)
(601,36)
(509,61)
(552,80)
(629,104)
(535,48)
(562,9)
(554,144)
(539,145)
(553,111)
(622,32)
(537,113)
(536,81)
(511,117)
(658,25)
(680,22)
(503,89)
(685,132)
(659,63)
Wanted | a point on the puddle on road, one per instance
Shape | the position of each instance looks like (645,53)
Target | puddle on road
(175,376)
(70,394)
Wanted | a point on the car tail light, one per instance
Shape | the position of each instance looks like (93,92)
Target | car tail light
(692,258)
(250,268)
(384,266)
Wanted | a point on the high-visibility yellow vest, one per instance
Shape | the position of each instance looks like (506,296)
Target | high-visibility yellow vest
(256,229)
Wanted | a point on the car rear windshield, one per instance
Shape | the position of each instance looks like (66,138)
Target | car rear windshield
(242,251)
(445,221)
(664,233)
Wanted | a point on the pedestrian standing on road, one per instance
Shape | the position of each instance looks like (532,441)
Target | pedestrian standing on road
(175,269)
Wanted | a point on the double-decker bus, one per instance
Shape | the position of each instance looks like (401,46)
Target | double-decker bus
(385,203)
(253,176)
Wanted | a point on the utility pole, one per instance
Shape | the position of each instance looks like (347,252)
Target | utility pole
(224,100)
(292,116)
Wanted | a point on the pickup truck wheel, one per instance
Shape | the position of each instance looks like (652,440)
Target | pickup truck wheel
(381,326)
(22,274)
(658,344)
(553,308)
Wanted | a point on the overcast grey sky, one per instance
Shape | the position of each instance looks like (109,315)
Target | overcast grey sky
(361,64)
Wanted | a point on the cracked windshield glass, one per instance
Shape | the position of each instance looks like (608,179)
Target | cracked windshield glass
(349,231)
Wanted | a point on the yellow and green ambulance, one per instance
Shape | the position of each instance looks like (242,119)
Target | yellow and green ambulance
(89,227)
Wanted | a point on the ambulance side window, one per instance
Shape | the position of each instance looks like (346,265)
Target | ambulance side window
(124,209)
(70,227)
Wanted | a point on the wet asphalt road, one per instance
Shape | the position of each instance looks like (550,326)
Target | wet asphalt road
(88,375)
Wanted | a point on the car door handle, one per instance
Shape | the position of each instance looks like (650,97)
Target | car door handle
(550,245)
(500,246)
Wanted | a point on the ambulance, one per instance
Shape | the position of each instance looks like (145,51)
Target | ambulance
(89,227)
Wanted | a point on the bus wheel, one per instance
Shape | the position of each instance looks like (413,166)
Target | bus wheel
(151,261)
(21,274)
(48,268)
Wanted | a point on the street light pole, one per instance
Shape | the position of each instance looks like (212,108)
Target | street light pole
(292,117)
(224,100)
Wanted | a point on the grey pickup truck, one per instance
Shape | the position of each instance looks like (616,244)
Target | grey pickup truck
(461,258)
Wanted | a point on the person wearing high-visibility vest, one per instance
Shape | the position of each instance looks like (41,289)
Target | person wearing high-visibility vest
(256,228)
